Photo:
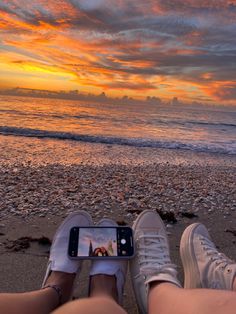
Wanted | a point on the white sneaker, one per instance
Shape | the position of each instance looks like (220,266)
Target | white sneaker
(204,266)
(152,260)
(59,260)
(116,267)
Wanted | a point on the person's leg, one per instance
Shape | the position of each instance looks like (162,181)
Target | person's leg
(102,300)
(152,261)
(103,285)
(58,282)
(40,301)
(154,276)
(204,267)
(166,298)
(107,278)
(110,270)
(103,297)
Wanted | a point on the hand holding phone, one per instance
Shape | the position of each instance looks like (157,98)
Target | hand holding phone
(101,242)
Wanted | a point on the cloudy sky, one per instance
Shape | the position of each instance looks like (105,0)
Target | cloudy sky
(162,48)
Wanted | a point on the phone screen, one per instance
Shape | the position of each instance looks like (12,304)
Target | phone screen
(101,242)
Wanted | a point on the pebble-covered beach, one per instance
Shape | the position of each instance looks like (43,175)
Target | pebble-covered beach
(41,177)
(40,184)
(116,190)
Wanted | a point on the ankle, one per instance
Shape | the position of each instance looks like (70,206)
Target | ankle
(103,285)
(154,285)
(234,284)
(158,290)
(64,282)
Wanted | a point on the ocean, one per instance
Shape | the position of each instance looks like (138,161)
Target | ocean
(210,129)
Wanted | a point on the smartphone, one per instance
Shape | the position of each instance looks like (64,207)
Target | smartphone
(101,242)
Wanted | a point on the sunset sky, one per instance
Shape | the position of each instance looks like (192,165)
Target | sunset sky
(162,48)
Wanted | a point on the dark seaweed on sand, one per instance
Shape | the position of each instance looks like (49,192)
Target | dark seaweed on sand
(23,243)
(167,216)
(231,231)
(187,214)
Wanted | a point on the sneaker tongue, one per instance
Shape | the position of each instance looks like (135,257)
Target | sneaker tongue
(161,269)
(154,251)
(147,236)
(151,239)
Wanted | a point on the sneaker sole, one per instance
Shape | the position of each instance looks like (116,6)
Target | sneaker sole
(191,271)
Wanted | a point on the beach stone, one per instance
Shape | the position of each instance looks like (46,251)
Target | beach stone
(117,189)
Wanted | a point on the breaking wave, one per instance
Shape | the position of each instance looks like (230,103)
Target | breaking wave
(228,148)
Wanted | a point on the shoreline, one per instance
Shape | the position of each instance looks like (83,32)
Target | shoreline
(36,152)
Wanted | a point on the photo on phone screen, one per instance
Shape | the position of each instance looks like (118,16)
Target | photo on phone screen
(95,242)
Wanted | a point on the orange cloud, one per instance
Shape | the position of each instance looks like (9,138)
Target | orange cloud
(222,91)
(182,49)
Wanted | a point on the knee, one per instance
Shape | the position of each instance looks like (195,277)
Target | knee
(95,305)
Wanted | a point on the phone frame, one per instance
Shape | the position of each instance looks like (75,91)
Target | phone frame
(74,241)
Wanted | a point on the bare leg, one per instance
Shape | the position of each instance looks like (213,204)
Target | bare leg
(166,298)
(40,301)
(60,274)
(204,267)
(103,297)
(103,285)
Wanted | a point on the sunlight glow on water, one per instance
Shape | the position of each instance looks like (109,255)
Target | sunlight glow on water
(202,128)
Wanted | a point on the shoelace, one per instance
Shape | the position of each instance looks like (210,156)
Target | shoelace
(153,254)
(215,256)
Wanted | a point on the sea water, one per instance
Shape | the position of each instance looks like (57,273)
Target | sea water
(201,128)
